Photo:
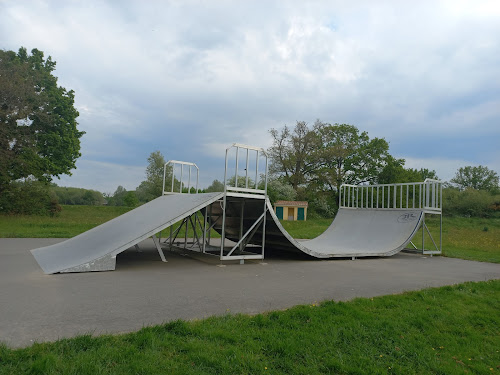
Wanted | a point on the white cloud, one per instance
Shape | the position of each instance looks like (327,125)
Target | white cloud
(104,177)
(191,78)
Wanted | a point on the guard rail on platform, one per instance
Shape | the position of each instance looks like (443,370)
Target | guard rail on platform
(427,196)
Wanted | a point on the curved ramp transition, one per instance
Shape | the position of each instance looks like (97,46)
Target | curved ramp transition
(356,233)
(353,233)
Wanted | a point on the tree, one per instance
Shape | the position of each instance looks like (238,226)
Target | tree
(294,153)
(130,199)
(216,186)
(395,172)
(38,130)
(152,187)
(277,189)
(348,156)
(479,178)
(118,197)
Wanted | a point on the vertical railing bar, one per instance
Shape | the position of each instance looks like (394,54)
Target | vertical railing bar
(395,204)
(246,170)
(182,170)
(189,180)
(407,194)
(341,196)
(256,169)
(236,170)
(413,204)
(173,173)
(420,196)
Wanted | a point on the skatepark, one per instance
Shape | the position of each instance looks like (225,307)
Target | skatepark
(51,295)
(374,220)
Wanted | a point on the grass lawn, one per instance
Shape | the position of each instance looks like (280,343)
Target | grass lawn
(448,330)
(72,220)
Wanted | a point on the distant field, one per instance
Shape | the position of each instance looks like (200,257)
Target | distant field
(72,220)
(466,238)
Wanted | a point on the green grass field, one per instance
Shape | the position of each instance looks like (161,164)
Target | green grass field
(449,330)
(466,238)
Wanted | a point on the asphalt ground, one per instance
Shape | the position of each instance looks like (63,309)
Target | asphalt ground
(142,291)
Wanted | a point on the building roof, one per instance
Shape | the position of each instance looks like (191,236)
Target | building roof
(291,203)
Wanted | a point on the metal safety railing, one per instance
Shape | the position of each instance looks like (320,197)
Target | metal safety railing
(427,196)
(244,179)
(173,164)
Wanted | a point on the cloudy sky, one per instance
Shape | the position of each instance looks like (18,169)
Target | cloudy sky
(189,78)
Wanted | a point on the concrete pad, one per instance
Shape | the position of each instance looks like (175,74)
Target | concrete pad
(145,291)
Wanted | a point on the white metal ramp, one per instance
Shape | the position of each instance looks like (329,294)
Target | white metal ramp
(373,220)
(96,249)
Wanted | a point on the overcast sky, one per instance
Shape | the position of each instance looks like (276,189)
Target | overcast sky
(189,78)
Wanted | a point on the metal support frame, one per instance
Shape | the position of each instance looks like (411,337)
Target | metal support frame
(242,192)
(202,227)
(426,196)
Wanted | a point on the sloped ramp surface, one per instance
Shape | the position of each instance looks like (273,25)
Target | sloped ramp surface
(353,233)
(96,249)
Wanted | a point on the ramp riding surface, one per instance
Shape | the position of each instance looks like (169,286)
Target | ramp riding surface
(360,233)
(96,249)
(353,233)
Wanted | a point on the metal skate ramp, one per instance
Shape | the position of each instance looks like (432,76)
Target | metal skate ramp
(353,232)
(96,249)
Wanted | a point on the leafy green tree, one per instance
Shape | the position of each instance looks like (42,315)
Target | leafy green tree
(77,196)
(294,153)
(277,189)
(348,156)
(118,198)
(38,129)
(395,172)
(479,178)
(215,186)
(152,187)
(130,199)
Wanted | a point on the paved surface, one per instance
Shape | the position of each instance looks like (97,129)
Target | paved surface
(144,291)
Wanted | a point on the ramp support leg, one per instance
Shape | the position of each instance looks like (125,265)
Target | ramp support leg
(158,247)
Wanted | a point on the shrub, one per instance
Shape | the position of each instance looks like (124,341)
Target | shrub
(28,197)
(470,202)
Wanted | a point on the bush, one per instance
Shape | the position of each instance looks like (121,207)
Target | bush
(469,202)
(29,197)
(78,196)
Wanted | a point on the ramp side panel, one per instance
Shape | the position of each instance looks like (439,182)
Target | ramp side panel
(109,239)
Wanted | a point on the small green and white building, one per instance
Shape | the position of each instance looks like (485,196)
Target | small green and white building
(291,210)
